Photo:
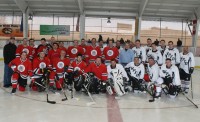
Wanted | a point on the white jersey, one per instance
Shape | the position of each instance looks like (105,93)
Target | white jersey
(173,54)
(162,49)
(136,71)
(156,55)
(119,68)
(153,72)
(187,61)
(140,52)
(147,48)
(172,72)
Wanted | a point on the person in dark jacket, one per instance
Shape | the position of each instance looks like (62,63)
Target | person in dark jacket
(9,51)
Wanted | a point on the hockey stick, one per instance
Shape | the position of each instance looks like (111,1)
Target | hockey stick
(190,100)
(93,102)
(191,87)
(44,87)
(57,79)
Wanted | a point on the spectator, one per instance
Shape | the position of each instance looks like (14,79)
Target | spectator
(126,55)
(9,51)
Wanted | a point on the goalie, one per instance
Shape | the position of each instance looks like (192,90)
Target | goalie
(116,78)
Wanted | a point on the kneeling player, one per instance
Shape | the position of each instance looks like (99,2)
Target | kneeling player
(117,76)
(136,74)
(186,68)
(22,69)
(169,75)
(100,76)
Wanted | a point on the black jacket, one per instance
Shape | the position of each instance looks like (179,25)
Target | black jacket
(9,51)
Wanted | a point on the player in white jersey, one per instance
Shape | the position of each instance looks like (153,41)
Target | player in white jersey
(148,47)
(156,54)
(139,51)
(169,75)
(172,53)
(162,46)
(136,74)
(187,64)
(116,77)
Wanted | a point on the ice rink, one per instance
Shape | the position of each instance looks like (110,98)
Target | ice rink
(31,106)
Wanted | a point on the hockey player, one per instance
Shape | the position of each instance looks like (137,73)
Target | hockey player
(139,51)
(62,47)
(24,47)
(162,46)
(76,70)
(74,50)
(54,53)
(42,47)
(40,66)
(169,75)
(186,68)
(34,47)
(153,74)
(172,53)
(93,51)
(156,54)
(60,66)
(100,72)
(136,74)
(148,47)
(116,77)
(110,52)
(83,45)
(22,69)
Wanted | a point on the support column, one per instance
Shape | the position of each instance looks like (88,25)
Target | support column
(195,36)
(25,23)
(82,25)
(138,21)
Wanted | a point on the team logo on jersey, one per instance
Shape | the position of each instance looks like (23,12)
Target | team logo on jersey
(21,68)
(110,53)
(77,69)
(74,51)
(60,65)
(25,50)
(42,65)
(93,52)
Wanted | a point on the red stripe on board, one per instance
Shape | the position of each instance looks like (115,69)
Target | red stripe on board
(113,110)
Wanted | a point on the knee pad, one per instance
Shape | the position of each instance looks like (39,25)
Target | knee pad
(22,82)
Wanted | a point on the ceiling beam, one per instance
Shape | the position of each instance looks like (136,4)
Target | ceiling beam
(80,5)
(22,5)
(143,5)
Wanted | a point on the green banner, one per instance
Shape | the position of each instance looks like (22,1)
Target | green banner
(55,30)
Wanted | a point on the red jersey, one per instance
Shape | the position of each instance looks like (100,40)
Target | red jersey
(99,71)
(34,52)
(40,64)
(24,68)
(28,49)
(92,53)
(63,48)
(77,65)
(53,54)
(42,48)
(73,51)
(84,48)
(110,53)
(58,64)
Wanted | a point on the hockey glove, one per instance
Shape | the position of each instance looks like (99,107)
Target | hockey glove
(191,70)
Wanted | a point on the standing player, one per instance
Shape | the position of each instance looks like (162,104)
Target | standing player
(73,51)
(162,46)
(93,51)
(139,51)
(54,53)
(24,47)
(42,47)
(172,53)
(60,66)
(186,68)
(110,52)
(22,69)
(156,54)
(34,47)
(148,47)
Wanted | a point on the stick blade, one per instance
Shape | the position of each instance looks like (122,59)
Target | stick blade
(51,102)
(64,99)
(90,103)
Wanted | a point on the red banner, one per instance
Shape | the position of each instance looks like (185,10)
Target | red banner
(10,30)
